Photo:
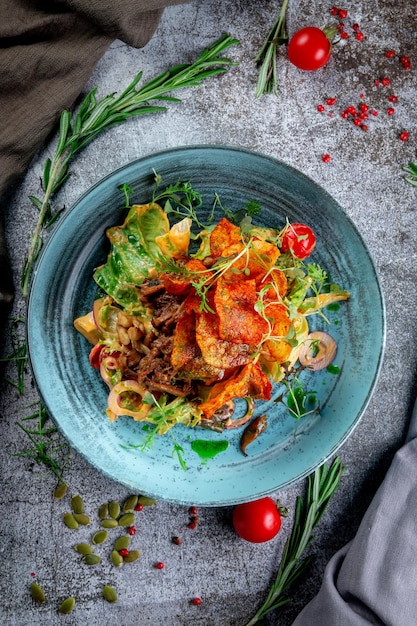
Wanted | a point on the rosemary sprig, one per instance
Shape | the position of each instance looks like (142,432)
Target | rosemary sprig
(321,485)
(46,449)
(18,356)
(94,116)
(411,170)
(266,58)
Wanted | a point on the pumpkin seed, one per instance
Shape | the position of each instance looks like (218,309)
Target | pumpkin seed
(129,504)
(66,606)
(145,501)
(109,523)
(91,559)
(132,556)
(116,558)
(83,548)
(37,593)
(114,509)
(126,519)
(122,542)
(109,593)
(103,511)
(70,521)
(77,504)
(60,491)
(82,519)
(100,536)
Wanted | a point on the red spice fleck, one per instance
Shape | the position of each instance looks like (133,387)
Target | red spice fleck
(359,36)
(386,82)
(160,565)
(344,114)
(139,507)
(177,541)
(357,122)
(334,10)
(124,552)
(32,574)
(356,26)
(364,127)
(393,98)
(390,111)
(342,13)
(320,108)
(326,158)
(193,510)
(196,601)
(403,136)
(374,113)
(376,82)
(132,530)
(361,95)
(390,54)
(344,35)
(331,101)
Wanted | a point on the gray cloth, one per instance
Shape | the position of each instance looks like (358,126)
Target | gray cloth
(373,580)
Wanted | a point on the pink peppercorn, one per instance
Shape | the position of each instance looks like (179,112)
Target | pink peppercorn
(139,507)
(326,158)
(124,552)
(374,113)
(393,98)
(344,35)
(331,101)
(355,27)
(390,111)
(160,565)
(132,530)
(357,121)
(390,54)
(320,108)
(404,135)
(196,601)
(359,36)
(342,13)
(385,81)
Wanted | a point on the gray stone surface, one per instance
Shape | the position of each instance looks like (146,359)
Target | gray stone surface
(364,176)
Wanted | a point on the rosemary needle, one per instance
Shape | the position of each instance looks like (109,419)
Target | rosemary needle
(321,485)
(76,130)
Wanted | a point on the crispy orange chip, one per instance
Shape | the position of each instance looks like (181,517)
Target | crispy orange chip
(249,381)
(238,320)
(186,355)
(277,349)
(216,351)
(224,234)
(179,284)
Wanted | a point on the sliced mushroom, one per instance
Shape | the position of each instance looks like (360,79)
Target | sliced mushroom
(317,351)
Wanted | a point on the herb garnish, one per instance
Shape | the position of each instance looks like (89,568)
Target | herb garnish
(77,130)
(321,485)
(266,58)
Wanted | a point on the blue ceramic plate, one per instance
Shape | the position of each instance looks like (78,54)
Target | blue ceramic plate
(287,451)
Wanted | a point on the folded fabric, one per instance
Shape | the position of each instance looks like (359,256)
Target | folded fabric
(373,580)
(48,50)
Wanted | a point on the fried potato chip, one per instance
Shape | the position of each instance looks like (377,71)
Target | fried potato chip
(235,306)
(224,234)
(216,351)
(276,348)
(248,381)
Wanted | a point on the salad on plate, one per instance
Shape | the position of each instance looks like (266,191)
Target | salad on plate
(192,316)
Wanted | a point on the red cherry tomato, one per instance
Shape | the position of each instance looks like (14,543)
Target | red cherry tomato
(257,521)
(309,48)
(298,239)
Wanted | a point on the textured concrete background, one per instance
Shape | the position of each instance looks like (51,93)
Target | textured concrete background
(364,176)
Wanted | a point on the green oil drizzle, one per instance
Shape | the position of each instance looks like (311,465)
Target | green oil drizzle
(334,306)
(333,369)
(208,449)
